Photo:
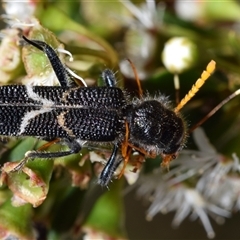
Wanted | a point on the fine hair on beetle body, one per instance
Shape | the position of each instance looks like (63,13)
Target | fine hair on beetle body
(77,115)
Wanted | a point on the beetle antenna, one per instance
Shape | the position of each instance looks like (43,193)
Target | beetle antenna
(140,91)
(214,110)
(195,88)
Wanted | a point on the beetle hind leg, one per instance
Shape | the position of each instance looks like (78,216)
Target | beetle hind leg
(74,147)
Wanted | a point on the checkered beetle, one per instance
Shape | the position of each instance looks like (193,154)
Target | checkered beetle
(78,115)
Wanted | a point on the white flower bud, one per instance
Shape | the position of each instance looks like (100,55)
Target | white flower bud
(179,54)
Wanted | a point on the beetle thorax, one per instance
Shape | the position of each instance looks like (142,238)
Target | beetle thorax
(155,128)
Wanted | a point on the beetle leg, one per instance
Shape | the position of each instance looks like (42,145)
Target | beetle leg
(74,146)
(126,150)
(109,168)
(62,74)
(109,78)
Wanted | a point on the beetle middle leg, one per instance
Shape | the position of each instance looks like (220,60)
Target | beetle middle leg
(110,167)
(114,161)
(109,78)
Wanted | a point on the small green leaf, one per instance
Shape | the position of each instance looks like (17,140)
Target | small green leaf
(15,221)
(107,215)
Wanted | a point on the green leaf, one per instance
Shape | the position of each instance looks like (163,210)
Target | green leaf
(60,22)
(32,183)
(107,215)
(16,221)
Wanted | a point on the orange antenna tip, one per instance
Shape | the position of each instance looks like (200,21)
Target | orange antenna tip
(211,66)
(204,76)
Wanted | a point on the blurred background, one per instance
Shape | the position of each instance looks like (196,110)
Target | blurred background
(170,43)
